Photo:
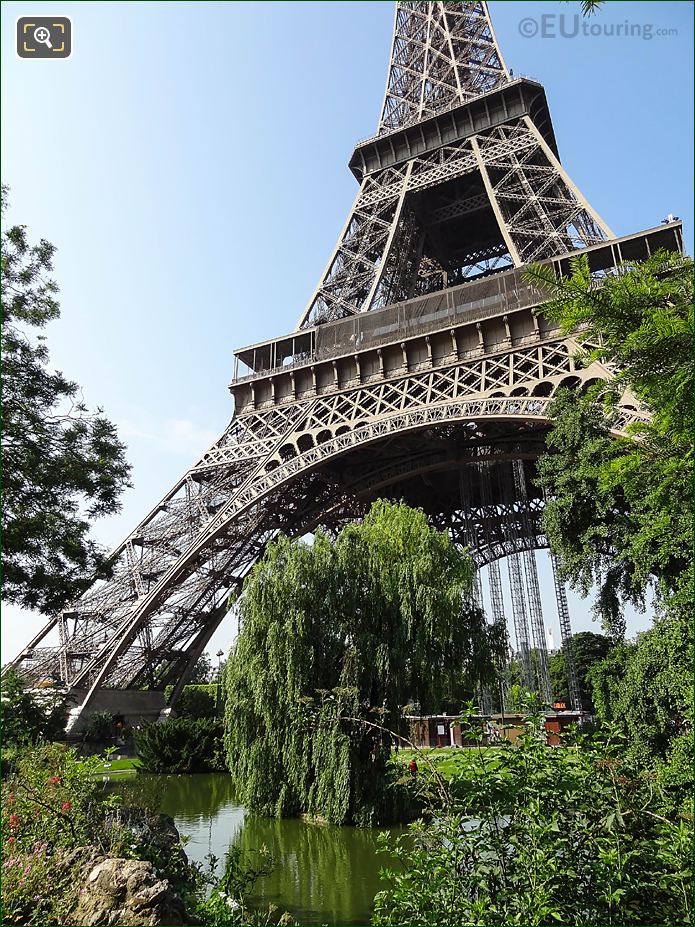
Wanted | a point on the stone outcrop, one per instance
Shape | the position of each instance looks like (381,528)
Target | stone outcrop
(127,893)
(115,892)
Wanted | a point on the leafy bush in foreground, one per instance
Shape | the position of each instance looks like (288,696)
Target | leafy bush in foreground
(51,804)
(57,820)
(571,835)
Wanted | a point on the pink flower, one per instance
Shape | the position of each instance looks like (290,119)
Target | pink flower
(14,820)
(54,780)
(66,806)
(11,841)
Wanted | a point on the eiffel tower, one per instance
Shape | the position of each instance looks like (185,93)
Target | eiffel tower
(418,370)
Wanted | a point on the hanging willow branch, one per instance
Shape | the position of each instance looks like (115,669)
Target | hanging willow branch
(354,628)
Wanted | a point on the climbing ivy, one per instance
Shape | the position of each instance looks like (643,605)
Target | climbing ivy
(335,639)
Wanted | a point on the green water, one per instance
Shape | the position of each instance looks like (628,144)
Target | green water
(322,874)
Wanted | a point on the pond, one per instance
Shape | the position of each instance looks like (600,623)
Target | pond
(322,874)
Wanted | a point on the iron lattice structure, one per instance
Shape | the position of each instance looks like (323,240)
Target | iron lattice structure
(419,370)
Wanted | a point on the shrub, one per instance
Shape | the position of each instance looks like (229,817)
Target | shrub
(30,716)
(181,745)
(56,817)
(100,727)
(51,804)
(51,797)
(573,836)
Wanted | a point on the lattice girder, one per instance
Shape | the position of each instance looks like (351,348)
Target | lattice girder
(176,571)
(442,54)
(445,55)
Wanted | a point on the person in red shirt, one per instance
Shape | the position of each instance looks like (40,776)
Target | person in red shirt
(412,766)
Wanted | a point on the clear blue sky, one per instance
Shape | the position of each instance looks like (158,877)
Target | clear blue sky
(189,162)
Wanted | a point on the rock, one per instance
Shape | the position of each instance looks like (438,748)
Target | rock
(127,893)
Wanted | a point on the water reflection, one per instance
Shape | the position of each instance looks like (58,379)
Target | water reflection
(322,874)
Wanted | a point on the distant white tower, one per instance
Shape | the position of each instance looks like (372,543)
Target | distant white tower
(551,641)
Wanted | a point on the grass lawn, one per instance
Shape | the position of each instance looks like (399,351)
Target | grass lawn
(132,764)
(448,761)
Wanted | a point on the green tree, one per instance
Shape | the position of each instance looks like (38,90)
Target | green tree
(330,632)
(619,511)
(202,672)
(29,717)
(63,466)
(588,649)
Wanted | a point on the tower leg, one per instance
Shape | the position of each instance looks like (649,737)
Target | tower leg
(563,615)
(537,624)
(495,586)
(467,506)
(520,619)
(533,589)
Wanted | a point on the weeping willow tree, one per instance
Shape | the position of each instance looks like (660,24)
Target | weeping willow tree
(335,639)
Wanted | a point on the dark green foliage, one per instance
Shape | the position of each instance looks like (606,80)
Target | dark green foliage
(100,727)
(198,701)
(181,745)
(675,774)
(619,513)
(202,672)
(606,679)
(63,466)
(573,835)
(331,632)
(588,649)
(30,717)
